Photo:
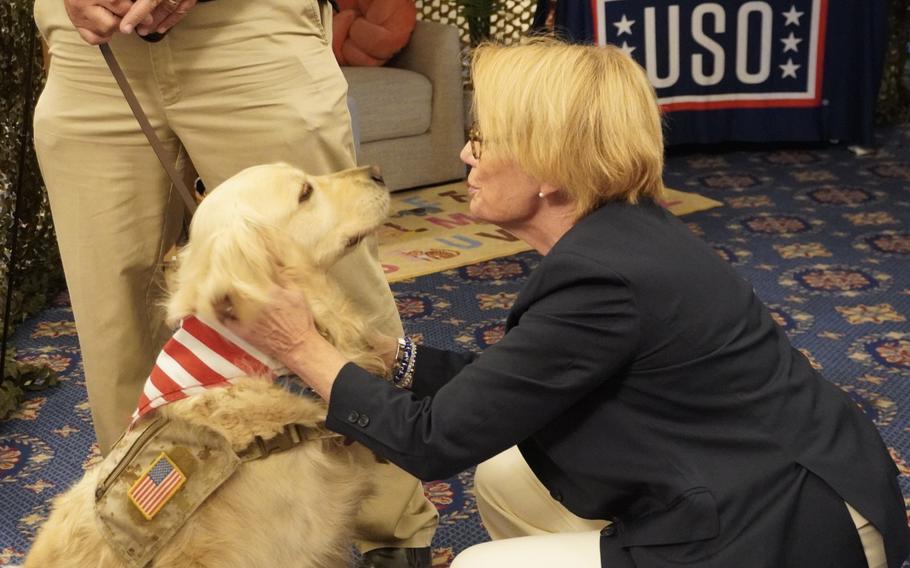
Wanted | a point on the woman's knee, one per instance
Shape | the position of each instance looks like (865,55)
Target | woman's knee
(481,555)
(493,477)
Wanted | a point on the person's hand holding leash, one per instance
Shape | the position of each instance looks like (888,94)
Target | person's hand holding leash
(98,20)
(147,16)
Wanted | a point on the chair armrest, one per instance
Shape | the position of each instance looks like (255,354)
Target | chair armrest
(435,52)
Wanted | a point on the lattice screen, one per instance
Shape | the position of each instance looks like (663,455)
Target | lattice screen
(511,22)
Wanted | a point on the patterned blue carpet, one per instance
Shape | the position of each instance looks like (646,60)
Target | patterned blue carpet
(823,235)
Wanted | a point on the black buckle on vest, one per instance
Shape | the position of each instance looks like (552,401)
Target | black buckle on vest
(291,436)
(285,440)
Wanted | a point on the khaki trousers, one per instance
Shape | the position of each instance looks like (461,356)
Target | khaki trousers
(532,530)
(235,84)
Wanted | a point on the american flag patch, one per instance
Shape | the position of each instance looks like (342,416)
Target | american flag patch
(158,483)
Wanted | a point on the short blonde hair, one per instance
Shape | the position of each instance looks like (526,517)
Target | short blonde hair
(582,118)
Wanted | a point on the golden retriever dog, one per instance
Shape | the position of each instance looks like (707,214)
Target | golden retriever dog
(268,224)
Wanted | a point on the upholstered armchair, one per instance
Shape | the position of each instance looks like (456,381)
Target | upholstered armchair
(408,115)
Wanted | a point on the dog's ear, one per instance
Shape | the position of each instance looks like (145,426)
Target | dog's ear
(224,308)
(181,296)
(229,272)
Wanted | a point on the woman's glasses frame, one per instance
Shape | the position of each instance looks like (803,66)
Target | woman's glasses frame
(476,141)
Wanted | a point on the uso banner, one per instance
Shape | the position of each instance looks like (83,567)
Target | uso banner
(754,70)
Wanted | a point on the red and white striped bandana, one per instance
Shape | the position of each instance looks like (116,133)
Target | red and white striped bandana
(202,354)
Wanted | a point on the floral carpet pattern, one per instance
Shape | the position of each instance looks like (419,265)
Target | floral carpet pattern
(822,234)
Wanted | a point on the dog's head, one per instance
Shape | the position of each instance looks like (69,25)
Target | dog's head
(270,224)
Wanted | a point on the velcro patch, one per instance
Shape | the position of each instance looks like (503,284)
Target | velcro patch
(160,481)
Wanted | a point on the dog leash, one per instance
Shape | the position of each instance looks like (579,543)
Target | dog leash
(189,201)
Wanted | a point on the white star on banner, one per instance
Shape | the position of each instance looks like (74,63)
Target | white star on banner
(792,16)
(627,49)
(789,70)
(624,26)
(791,43)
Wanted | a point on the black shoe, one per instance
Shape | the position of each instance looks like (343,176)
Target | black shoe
(398,558)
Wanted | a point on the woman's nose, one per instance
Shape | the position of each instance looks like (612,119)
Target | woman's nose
(466,156)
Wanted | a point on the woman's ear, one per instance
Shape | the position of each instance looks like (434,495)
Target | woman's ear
(546,189)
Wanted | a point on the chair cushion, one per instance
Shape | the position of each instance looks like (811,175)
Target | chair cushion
(391,103)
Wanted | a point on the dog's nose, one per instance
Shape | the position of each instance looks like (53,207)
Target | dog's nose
(376,175)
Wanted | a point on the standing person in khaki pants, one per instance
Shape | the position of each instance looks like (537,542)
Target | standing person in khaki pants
(231,84)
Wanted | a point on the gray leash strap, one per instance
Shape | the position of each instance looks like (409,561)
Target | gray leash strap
(188,200)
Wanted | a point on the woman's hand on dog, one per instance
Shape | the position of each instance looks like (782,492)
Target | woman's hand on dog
(282,325)
(285,329)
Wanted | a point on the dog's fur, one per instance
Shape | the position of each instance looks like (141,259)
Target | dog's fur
(267,224)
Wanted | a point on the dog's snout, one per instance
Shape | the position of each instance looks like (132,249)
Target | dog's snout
(376,175)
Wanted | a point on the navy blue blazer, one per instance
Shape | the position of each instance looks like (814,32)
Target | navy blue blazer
(645,383)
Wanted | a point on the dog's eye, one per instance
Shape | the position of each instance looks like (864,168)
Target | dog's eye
(305,193)
(378,179)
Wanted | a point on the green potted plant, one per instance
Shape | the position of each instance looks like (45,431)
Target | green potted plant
(478,14)
(30,274)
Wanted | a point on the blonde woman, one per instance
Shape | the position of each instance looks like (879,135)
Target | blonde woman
(661,418)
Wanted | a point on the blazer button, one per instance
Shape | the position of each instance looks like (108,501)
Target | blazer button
(556,495)
(608,530)
(363,421)
(353,417)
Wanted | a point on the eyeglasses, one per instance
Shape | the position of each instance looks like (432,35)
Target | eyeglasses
(476,141)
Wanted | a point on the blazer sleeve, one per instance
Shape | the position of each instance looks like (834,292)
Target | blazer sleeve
(580,330)
(436,367)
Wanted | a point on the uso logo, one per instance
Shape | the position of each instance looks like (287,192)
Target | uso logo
(708,55)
